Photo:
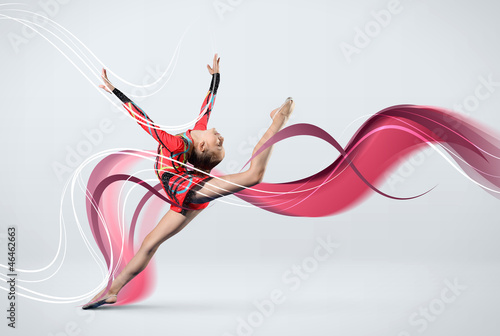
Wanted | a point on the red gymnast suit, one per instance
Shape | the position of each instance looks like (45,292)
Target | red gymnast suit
(178,182)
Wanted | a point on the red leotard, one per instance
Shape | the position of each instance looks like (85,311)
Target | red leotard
(170,167)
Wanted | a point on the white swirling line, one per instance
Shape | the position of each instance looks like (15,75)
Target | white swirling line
(121,151)
(175,56)
(62,226)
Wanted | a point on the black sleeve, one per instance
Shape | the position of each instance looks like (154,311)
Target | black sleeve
(121,96)
(214,84)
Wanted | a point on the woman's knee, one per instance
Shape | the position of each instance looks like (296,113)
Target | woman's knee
(149,246)
(256,176)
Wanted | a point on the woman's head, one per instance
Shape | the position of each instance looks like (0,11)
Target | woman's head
(208,149)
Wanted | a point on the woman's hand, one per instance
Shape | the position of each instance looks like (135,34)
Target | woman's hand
(215,65)
(108,87)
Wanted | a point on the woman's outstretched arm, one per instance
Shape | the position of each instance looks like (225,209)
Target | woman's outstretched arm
(169,141)
(209,101)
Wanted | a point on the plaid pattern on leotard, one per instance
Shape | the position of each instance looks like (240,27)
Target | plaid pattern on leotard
(173,150)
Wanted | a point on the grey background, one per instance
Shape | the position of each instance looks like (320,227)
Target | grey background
(393,258)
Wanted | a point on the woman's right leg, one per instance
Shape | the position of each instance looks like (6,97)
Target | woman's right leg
(172,223)
(230,184)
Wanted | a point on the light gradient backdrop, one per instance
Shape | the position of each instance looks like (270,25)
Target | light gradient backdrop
(394,258)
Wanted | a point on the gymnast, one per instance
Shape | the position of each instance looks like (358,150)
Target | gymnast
(189,190)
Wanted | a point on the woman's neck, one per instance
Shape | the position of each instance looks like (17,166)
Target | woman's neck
(195,136)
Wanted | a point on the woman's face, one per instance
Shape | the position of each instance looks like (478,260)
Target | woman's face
(214,142)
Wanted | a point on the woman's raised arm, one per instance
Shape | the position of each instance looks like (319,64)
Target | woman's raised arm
(208,102)
(169,141)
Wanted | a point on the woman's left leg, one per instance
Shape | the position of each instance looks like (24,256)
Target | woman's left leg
(171,224)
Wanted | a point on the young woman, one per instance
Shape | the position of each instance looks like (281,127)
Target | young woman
(190,190)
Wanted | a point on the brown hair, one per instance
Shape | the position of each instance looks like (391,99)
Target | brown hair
(203,160)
